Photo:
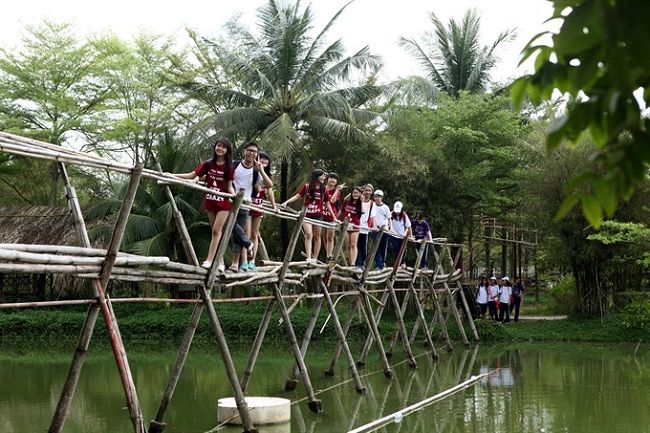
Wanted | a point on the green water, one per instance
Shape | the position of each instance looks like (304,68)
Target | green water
(537,388)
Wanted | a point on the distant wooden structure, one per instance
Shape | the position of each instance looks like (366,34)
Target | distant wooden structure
(438,286)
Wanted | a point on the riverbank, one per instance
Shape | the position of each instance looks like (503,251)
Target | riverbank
(163,326)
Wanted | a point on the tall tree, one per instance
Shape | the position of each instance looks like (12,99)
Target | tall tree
(49,88)
(284,86)
(599,60)
(452,55)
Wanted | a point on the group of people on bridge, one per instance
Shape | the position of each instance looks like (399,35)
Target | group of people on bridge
(323,199)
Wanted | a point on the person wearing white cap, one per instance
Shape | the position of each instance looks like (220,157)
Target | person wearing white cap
(381,217)
(401,226)
(367,211)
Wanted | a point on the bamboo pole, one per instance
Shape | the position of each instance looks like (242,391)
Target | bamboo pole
(266,318)
(385,296)
(325,283)
(315,405)
(292,380)
(367,309)
(354,306)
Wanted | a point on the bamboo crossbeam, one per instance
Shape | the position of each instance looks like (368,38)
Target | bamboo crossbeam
(12,255)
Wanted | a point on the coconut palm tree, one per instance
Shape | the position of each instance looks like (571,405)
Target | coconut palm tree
(452,55)
(283,86)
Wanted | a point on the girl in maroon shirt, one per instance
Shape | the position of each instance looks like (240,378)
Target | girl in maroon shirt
(351,208)
(332,195)
(259,194)
(314,195)
(218,174)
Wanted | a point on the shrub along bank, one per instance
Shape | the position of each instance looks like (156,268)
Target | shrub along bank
(164,326)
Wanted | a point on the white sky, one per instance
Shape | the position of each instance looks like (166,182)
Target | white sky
(377,23)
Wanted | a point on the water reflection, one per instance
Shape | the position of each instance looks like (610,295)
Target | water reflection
(534,388)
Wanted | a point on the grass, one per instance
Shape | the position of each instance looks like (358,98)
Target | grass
(163,326)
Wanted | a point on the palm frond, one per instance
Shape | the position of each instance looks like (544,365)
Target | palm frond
(280,136)
(416,50)
(334,129)
(153,246)
(140,227)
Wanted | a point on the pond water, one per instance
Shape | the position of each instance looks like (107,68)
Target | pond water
(537,388)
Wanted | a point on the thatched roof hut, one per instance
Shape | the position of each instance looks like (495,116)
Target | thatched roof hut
(42,225)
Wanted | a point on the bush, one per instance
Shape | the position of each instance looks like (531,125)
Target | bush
(562,295)
(636,315)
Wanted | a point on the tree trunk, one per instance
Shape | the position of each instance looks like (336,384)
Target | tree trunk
(589,294)
(54,180)
(284,185)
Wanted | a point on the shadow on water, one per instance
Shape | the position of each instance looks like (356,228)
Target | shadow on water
(533,388)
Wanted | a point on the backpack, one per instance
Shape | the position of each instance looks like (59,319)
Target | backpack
(256,174)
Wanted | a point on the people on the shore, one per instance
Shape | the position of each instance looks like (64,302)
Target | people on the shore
(482,296)
(313,194)
(504,300)
(218,173)
(517,291)
(493,297)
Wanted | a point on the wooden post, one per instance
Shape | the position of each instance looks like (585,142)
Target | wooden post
(266,319)
(72,378)
(157,425)
(439,314)
(367,307)
(324,283)
(354,306)
(315,405)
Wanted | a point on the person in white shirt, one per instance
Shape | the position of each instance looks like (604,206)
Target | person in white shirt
(504,300)
(401,224)
(482,296)
(493,296)
(249,173)
(381,217)
(367,207)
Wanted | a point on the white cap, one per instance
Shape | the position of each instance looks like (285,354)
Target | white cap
(397,207)
(493,278)
(506,278)
(379,192)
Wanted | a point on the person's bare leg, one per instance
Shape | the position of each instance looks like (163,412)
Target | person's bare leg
(255,235)
(307,229)
(354,237)
(329,242)
(317,241)
(217,221)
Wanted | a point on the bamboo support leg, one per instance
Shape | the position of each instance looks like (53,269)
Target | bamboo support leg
(420,312)
(370,339)
(400,324)
(292,380)
(157,425)
(393,339)
(266,319)
(257,344)
(339,346)
(315,405)
(468,313)
(454,310)
(440,315)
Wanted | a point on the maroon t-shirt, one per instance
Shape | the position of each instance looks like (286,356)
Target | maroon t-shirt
(314,205)
(349,210)
(214,179)
(326,213)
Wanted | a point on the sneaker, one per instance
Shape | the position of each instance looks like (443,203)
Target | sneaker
(206,264)
(244,267)
(251,266)
(312,261)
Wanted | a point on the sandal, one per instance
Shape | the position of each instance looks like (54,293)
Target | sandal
(233,268)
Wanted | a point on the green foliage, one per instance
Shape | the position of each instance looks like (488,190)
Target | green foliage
(562,296)
(597,59)
(452,55)
(636,315)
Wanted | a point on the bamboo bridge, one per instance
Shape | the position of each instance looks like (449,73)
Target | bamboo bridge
(435,289)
